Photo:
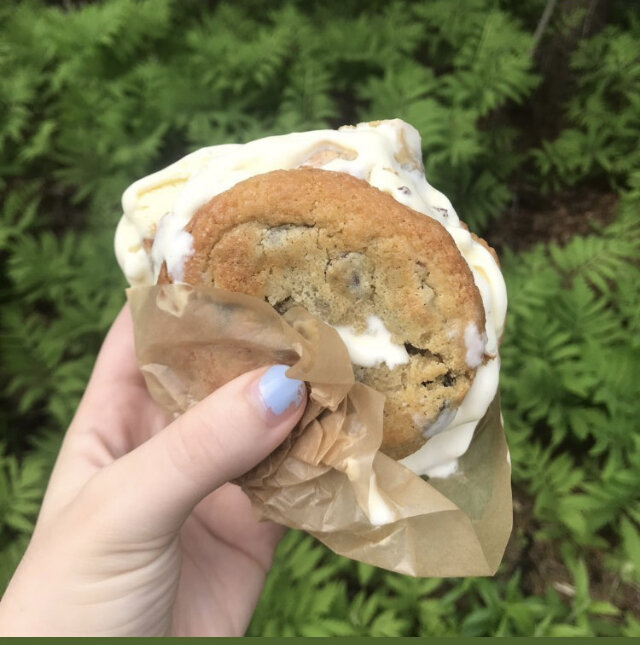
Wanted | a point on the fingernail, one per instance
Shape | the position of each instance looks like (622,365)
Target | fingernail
(278,392)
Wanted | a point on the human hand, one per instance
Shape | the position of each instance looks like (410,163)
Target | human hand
(140,532)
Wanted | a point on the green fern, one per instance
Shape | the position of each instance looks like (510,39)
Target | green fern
(604,112)
(571,315)
(94,95)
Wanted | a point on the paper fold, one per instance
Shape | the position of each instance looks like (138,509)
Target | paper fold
(328,477)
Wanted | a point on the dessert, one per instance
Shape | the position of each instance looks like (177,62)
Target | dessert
(428,338)
(391,281)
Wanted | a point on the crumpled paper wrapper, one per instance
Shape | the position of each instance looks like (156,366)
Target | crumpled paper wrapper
(328,478)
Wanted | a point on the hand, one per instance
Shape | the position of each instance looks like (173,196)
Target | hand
(140,532)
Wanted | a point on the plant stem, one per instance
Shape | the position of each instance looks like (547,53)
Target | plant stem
(542,25)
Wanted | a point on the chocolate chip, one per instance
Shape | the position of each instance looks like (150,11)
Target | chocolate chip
(284,305)
(412,350)
(448,380)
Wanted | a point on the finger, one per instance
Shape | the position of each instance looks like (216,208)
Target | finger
(115,415)
(153,489)
(227,515)
(116,369)
(111,405)
(117,406)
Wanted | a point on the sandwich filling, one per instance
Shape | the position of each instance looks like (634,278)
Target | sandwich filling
(386,154)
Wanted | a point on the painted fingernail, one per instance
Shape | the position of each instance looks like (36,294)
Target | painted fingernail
(278,392)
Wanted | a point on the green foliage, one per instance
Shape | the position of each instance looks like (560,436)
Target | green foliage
(21,485)
(98,95)
(95,95)
(601,140)
(485,54)
(569,387)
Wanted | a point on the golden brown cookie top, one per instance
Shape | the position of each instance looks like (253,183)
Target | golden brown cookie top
(355,257)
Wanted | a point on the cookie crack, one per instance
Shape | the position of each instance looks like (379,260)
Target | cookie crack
(445,380)
(412,350)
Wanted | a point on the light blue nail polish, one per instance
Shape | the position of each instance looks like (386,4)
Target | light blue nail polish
(279,392)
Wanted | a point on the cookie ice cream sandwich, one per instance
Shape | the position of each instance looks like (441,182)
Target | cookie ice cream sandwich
(344,224)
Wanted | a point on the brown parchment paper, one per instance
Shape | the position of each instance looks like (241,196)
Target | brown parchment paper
(328,477)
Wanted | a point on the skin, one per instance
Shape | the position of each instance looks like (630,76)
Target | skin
(140,532)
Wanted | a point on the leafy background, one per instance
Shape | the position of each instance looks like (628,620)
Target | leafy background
(530,118)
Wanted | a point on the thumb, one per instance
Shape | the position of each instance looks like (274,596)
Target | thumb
(156,486)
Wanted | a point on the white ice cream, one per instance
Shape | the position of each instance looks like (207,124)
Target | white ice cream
(386,154)
(373,346)
(172,245)
(439,456)
(379,512)
(476,345)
